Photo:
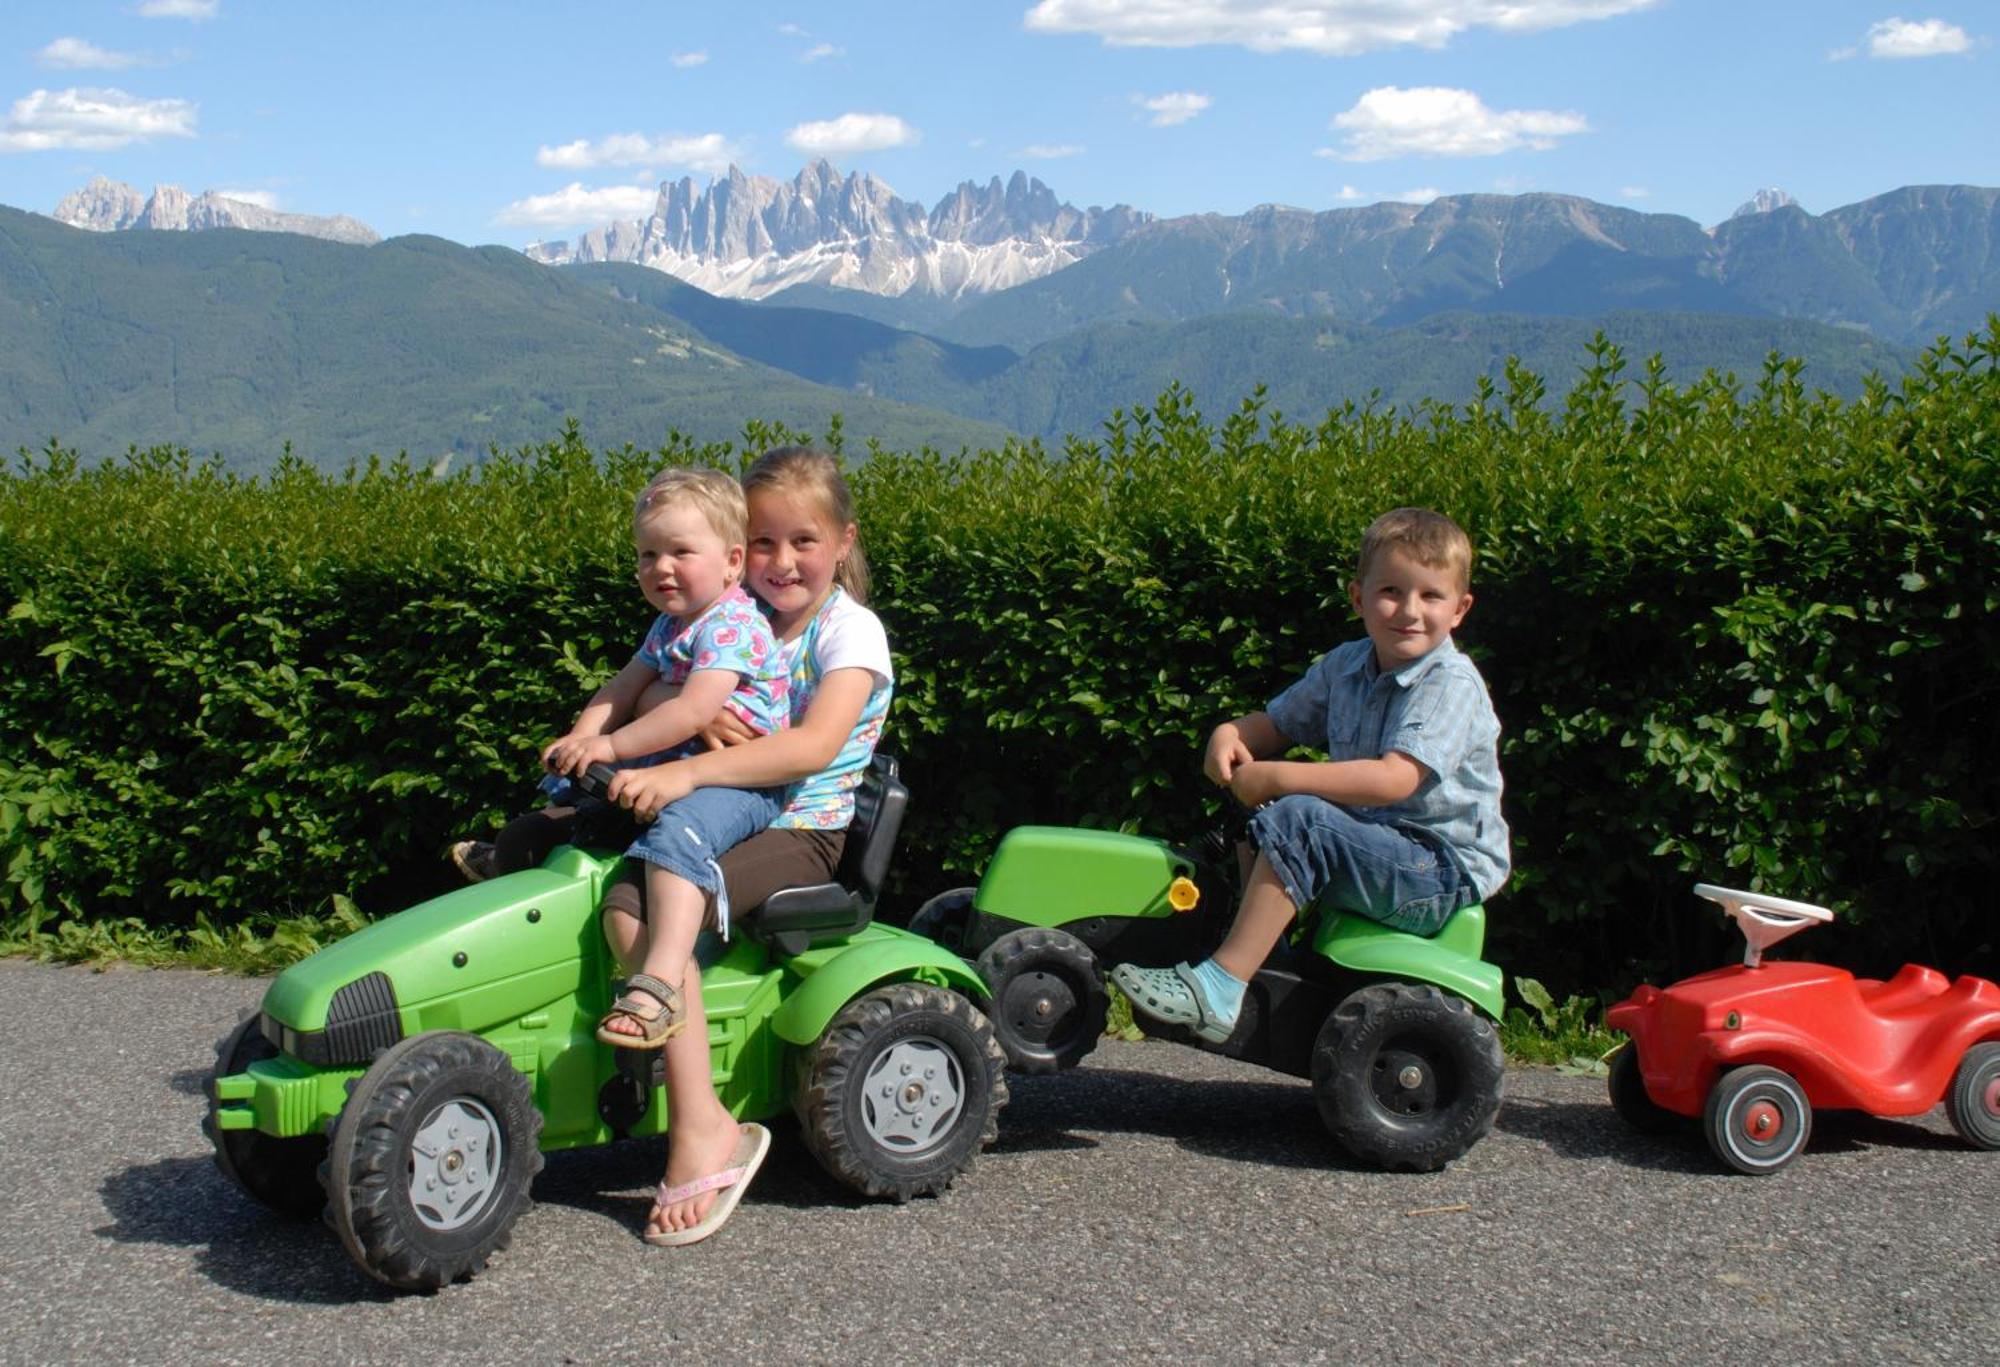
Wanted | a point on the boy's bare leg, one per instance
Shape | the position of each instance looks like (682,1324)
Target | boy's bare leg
(1261,919)
(626,934)
(702,1134)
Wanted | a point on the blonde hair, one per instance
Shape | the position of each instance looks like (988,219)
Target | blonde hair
(811,472)
(1431,539)
(715,495)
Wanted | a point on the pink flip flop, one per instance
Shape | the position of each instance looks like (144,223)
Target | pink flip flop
(752,1143)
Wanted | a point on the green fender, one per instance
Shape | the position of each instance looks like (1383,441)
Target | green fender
(1450,959)
(837,974)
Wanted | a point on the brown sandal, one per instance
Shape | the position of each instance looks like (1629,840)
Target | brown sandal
(658,1021)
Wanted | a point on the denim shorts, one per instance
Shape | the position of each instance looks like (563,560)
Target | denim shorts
(688,836)
(1324,854)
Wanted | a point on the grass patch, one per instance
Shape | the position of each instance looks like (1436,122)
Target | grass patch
(256,946)
(1571,1037)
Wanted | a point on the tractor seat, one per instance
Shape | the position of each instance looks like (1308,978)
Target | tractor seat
(795,919)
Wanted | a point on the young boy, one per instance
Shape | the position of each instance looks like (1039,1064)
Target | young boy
(1401,823)
(709,651)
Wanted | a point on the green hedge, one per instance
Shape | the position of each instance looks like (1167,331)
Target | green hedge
(1741,632)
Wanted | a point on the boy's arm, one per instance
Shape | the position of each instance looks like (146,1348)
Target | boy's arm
(808,745)
(1350,782)
(607,707)
(674,720)
(1239,742)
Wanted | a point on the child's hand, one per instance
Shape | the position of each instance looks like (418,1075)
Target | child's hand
(725,730)
(573,754)
(1256,782)
(1226,754)
(644,791)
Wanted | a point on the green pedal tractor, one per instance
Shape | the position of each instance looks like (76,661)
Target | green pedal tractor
(408,1080)
(1395,1031)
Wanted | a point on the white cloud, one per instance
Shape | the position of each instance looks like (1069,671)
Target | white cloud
(1338,28)
(574,206)
(1175,107)
(687,59)
(793,31)
(1634,192)
(1347,194)
(820,51)
(1052,151)
(74,54)
(91,120)
(851,133)
(178,9)
(1436,121)
(1893,38)
(709,152)
(263,199)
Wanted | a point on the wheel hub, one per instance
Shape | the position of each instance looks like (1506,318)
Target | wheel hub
(913,1095)
(1405,1083)
(1037,1006)
(1990,1098)
(455,1163)
(1763,1122)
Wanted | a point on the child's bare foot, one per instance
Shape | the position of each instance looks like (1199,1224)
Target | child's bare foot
(695,1149)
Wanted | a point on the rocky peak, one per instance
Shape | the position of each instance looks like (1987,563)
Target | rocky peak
(1763,202)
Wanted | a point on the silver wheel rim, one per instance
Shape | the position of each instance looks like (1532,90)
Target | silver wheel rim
(455,1163)
(913,1096)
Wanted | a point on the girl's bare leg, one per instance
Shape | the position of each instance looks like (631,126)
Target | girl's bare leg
(702,1135)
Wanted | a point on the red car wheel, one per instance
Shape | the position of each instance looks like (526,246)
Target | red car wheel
(1973,1099)
(1757,1119)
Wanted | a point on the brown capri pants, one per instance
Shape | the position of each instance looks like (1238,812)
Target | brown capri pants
(770,861)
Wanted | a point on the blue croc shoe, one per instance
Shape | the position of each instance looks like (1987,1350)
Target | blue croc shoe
(1172,996)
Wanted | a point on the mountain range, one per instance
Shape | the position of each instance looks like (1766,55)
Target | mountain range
(1013,266)
(106,206)
(240,342)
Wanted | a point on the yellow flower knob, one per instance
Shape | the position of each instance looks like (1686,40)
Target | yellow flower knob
(1182,894)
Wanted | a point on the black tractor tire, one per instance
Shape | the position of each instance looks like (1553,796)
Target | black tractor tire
(440,1119)
(1629,1097)
(901,1091)
(1757,1119)
(1407,1077)
(1972,1102)
(280,1173)
(946,920)
(1049,1001)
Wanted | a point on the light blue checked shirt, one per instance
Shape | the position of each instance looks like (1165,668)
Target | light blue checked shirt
(1436,711)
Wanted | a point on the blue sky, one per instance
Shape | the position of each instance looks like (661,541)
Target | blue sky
(506,122)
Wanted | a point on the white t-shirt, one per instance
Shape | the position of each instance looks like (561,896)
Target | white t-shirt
(844,635)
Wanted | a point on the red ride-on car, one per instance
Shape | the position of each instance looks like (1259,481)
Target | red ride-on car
(1750,1050)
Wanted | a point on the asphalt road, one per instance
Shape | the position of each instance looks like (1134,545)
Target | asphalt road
(1155,1203)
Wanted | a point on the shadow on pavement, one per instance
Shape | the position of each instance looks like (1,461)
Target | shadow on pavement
(243,1246)
(1274,1123)
(1593,1130)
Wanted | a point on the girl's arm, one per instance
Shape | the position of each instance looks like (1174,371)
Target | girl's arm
(802,750)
